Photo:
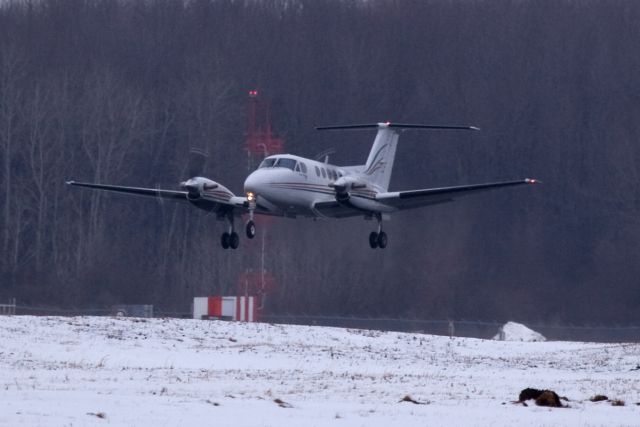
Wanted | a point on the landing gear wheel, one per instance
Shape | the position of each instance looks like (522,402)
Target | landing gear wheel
(251,229)
(382,240)
(234,240)
(225,240)
(373,240)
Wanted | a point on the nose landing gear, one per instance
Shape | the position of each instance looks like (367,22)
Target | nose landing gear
(251,226)
(251,229)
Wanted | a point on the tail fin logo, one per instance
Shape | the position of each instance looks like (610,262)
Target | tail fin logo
(378,163)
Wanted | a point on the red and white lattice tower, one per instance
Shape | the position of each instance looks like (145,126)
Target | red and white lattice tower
(260,142)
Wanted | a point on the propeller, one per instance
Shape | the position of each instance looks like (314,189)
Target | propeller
(196,161)
(195,185)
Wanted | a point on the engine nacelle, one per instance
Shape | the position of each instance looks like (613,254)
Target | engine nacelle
(343,185)
(342,196)
(197,186)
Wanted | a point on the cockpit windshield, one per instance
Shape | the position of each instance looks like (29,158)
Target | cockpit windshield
(278,162)
(286,163)
(267,163)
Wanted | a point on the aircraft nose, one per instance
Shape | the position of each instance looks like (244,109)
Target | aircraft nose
(254,183)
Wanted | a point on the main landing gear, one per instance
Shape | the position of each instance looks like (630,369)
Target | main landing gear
(378,239)
(230,239)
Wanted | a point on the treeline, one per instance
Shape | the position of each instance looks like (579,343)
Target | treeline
(120,91)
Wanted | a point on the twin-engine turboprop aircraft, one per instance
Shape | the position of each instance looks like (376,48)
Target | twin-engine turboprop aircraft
(292,186)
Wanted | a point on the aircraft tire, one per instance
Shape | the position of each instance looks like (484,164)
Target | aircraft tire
(225,240)
(251,229)
(234,240)
(373,240)
(382,240)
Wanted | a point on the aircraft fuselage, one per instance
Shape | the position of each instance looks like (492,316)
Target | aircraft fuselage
(294,185)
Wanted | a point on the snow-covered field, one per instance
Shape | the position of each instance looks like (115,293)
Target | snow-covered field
(167,372)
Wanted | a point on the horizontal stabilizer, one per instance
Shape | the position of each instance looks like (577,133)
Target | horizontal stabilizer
(395,125)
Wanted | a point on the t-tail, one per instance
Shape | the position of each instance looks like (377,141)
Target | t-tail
(383,152)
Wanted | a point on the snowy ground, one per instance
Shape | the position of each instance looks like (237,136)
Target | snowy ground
(167,372)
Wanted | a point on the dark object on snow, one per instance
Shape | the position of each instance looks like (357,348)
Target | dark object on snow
(281,403)
(617,402)
(529,393)
(599,398)
(542,397)
(410,399)
(101,415)
(549,398)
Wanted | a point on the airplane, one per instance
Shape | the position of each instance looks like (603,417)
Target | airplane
(291,186)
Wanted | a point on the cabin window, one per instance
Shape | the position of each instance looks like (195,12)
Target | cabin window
(324,174)
(267,163)
(286,163)
(317,171)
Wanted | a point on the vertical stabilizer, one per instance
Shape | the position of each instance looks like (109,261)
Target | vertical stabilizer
(380,161)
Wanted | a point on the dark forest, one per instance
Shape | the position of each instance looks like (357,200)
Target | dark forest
(119,92)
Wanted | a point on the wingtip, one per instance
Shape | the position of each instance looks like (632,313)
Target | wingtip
(474,128)
(532,181)
(69,182)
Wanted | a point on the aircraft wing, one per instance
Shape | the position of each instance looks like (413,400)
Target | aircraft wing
(211,203)
(137,191)
(430,196)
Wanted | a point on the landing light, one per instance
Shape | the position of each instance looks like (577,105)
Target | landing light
(251,196)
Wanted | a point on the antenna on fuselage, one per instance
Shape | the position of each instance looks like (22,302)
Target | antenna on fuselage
(323,156)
